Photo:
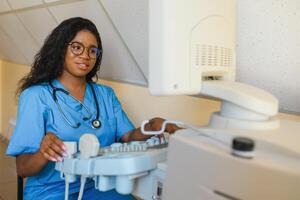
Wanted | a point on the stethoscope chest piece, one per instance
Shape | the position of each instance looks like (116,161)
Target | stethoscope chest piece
(96,123)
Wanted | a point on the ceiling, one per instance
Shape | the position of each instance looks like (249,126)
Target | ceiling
(24,24)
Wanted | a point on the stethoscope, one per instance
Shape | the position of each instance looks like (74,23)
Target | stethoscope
(95,122)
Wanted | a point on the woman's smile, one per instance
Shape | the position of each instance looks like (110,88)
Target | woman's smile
(82,65)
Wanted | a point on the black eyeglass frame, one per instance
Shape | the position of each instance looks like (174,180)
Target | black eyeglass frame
(98,50)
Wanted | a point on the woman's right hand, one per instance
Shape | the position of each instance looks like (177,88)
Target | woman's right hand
(52,148)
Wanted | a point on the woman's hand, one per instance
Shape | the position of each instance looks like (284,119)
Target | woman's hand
(52,148)
(156,124)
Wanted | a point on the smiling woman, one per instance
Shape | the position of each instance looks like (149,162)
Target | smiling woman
(78,62)
(76,54)
(59,101)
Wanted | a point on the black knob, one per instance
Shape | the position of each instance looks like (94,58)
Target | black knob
(243,144)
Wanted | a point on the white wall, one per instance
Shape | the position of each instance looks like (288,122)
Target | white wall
(136,101)
(268,48)
(140,105)
(10,74)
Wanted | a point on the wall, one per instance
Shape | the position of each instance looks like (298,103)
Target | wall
(11,74)
(1,85)
(136,101)
(140,105)
(268,46)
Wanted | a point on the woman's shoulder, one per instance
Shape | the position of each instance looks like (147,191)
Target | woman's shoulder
(35,91)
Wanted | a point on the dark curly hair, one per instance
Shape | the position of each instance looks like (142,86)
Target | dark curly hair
(49,61)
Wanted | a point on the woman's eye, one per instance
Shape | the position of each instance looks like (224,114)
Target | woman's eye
(77,47)
(93,50)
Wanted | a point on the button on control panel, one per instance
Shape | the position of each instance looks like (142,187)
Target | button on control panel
(135,146)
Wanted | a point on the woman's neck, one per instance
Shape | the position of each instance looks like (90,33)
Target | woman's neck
(76,86)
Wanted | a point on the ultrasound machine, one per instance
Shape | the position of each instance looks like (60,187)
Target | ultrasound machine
(245,152)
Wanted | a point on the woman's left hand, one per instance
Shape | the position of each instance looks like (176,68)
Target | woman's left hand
(156,124)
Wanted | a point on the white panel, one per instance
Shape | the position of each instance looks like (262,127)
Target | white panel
(19,36)
(4,6)
(38,22)
(9,51)
(16,4)
(117,62)
(131,19)
(268,48)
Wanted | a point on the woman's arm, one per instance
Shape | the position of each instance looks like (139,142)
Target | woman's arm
(153,125)
(51,149)
(30,164)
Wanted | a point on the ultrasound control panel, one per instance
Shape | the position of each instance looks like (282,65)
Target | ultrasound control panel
(118,165)
(135,146)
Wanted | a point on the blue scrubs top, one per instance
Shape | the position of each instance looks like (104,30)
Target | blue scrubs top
(38,114)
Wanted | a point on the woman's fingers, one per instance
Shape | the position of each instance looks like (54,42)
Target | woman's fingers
(48,157)
(157,122)
(53,148)
(54,156)
(172,128)
(57,142)
(57,145)
(53,145)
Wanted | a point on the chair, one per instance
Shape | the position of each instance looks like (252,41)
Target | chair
(20,188)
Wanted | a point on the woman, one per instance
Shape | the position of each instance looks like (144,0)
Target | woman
(58,101)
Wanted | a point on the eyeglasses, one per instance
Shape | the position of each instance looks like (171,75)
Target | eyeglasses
(77,49)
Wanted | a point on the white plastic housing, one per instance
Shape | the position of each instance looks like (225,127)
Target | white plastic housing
(124,185)
(88,146)
(243,106)
(192,52)
(206,169)
(71,148)
(189,39)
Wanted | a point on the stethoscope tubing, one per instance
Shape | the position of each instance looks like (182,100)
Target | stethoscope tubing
(95,123)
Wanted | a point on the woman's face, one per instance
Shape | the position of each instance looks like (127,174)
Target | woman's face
(80,55)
